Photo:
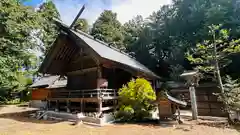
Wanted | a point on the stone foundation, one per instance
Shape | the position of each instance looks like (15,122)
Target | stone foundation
(37,104)
(107,118)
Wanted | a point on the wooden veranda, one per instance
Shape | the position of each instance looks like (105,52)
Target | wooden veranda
(93,100)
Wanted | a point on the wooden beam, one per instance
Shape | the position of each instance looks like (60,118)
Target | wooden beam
(99,70)
(80,59)
(94,100)
(76,18)
(82,71)
(82,44)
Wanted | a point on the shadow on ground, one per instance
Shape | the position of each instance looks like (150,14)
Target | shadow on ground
(237,127)
(25,117)
(23,105)
(215,124)
(210,121)
(148,122)
(163,124)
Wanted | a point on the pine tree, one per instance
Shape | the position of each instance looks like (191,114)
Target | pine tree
(108,29)
(231,94)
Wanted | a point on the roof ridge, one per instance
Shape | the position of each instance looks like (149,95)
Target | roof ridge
(90,36)
(103,43)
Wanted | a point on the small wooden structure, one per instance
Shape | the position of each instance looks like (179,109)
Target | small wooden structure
(168,106)
(207,101)
(94,72)
(42,88)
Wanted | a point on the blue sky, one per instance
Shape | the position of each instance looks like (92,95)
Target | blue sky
(126,9)
(33,2)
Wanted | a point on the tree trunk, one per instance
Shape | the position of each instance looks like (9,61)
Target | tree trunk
(217,70)
(219,78)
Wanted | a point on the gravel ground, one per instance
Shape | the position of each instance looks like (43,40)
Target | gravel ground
(12,123)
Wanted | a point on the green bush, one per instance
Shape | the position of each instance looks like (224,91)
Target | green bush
(134,100)
(231,95)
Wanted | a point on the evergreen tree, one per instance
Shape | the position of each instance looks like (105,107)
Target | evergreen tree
(231,94)
(48,12)
(108,29)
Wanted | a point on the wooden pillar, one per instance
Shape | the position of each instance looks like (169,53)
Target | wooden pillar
(154,85)
(99,76)
(100,106)
(81,106)
(178,111)
(115,103)
(159,115)
(57,106)
(158,94)
(193,102)
(99,71)
(48,105)
(113,76)
(68,106)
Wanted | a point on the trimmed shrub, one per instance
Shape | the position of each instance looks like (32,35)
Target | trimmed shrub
(135,100)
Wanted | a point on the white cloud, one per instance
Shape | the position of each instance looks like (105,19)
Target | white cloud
(68,9)
(126,9)
(131,8)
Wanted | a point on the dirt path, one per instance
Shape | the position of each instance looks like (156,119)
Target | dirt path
(14,124)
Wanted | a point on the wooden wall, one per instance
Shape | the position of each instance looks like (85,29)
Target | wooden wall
(207,102)
(60,57)
(116,77)
(83,81)
(77,70)
(39,94)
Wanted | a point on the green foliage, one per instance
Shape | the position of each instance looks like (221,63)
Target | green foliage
(13,102)
(231,95)
(47,11)
(212,55)
(22,31)
(214,50)
(82,25)
(163,38)
(16,30)
(134,100)
(107,28)
(132,30)
(160,41)
(138,41)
